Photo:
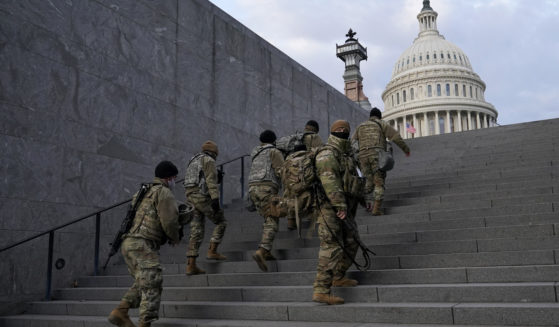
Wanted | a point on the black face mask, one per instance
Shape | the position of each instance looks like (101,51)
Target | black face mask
(342,135)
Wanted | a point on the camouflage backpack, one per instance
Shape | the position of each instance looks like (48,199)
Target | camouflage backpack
(299,173)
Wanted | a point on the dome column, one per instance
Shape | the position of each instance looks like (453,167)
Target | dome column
(425,125)
(459,115)
(415,123)
(437,125)
(469,128)
(478,125)
(448,129)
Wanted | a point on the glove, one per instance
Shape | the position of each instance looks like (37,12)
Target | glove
(215,205)
(220,174)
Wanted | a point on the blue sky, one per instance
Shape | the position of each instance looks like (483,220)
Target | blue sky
(513,45)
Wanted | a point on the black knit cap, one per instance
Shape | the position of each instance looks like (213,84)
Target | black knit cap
(268,136)
(166,169)
(375,112)
(313,124)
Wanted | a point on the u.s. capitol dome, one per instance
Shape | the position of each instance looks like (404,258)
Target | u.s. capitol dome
(433,88)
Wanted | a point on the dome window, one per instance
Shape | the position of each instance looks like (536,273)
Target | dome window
(404,95)
(420,57)
(413,59)
(427,56)
(411,94)
(408,62)
(447,90)
(471,93)
(434,56)
(456,90)
(442,55)
(429,91)
(464,90)
(455,56)
(438,90)
(397,98)
(448,55)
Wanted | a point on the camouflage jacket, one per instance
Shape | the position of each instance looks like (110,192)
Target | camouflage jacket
(157,217)
(332,161)
(267,162)
(311,139)
(201,176)
(370,136)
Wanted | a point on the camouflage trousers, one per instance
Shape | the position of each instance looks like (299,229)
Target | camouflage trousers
(203,209)
(142,258)
(374,187)
(271,207)
(333,262)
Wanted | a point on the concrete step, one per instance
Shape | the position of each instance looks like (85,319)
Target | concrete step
(465,292)
(97,321)
(530,273)
(524,314)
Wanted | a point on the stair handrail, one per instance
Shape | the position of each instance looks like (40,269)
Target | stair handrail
(97,214)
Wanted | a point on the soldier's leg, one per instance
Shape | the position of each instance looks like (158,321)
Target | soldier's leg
(330,254)
(150,283)
(269,231)
(366,165)
(196,233)
(378,192)
(130,249)
(351,247)
(220,225)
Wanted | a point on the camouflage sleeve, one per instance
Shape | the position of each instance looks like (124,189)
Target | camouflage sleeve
(328,170)
(211,177)
(168,213)
(393,135)
(276,159)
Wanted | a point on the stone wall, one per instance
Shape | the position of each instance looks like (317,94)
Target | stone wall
(94,93)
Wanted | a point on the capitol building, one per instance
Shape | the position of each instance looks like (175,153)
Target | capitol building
(433,89)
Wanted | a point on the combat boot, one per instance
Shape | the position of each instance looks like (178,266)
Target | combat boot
(327,298)
(119,316)
(144,324)
(260,257)
(291,224)
(192,269)
(344,282)
(212,252)
(269,257)
(376,208)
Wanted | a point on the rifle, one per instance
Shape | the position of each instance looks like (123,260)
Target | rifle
(127,222)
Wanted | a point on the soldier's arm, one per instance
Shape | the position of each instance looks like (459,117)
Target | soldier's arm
(211,177)
(327,168)
(277,161)
(393,135)
(168,213)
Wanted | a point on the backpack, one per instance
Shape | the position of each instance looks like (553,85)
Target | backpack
(299,173)
(287,144)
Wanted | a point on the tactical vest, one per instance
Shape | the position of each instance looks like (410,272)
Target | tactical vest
(353,184)
(371,135)
(195,173)
(146,222)
(261,169)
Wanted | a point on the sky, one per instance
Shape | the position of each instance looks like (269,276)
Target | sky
(513,45)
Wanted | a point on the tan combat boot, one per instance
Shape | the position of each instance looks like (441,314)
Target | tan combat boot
(192,269)
(327,298)
(212,252)
(376,208)
(269,257)
(291,224)
(260,257)
(119,316)
(144,324)
(344,282)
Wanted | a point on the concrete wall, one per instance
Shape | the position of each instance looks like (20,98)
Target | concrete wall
(94,93)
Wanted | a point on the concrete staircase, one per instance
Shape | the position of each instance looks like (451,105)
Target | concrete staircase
(470,238)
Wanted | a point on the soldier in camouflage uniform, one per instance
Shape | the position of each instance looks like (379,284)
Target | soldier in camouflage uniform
(336,169)
(201,185)
(311,140)
(264,183)
(371,135)
(156,221)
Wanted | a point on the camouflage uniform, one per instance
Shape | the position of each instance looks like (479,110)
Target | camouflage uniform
(370,137)
(156,221)
(201,189)
(264,184)
(333,162)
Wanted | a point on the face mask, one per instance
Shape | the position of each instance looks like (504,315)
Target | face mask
(171,183)
(341,135)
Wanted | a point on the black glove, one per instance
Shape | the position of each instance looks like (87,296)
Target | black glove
(215,205)
(220,174)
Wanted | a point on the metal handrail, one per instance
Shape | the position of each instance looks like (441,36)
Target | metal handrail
(97,214)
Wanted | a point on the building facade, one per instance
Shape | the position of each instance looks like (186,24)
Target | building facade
(434,89)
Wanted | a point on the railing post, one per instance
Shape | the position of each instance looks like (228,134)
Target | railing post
(221,189)
(49,265)
(242,177)
(97,236)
